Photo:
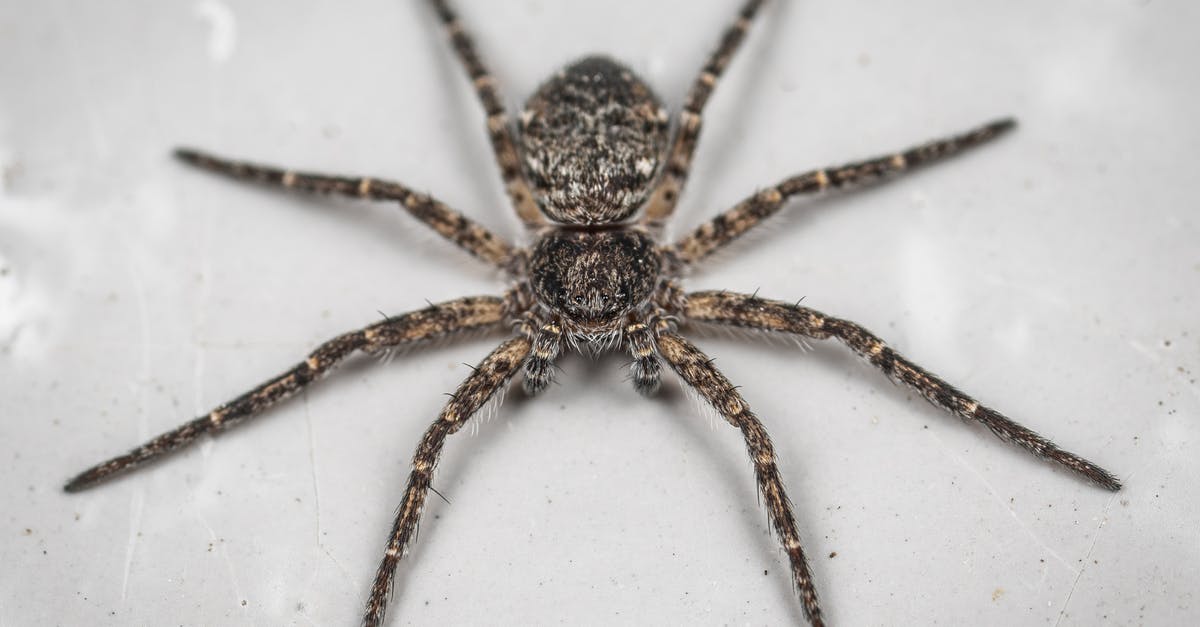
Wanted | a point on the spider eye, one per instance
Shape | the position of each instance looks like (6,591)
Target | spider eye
(578,300)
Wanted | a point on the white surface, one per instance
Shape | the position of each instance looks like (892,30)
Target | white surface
(1055,275)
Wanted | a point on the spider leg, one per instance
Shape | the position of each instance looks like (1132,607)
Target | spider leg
(768,315)
(646,371)
(679,157)
(443,319)
(500,132)
(450,224)
(489,377)
(697,370)
(547,344)
(747,214)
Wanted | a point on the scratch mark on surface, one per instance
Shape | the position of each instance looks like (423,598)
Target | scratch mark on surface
(312,463)
(216,542)
(136,503)
(1141,349)
(1043,294)
(1154,358)
(1095,538)
(140,388)
(222,37)
(144,370)
(1004,503)
(345,573)
(200,321)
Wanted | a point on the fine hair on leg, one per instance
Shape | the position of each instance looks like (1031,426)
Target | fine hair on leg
(679,157)
(697,370)
(500,130)
(444,319)
(450,224)
(750,312)
(489,377)
(752,211)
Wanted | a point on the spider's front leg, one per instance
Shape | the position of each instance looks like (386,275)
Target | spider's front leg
(489,377)
(645,371)
(746,311)
(450,224)
(697,370)
(444,319)
(546,340)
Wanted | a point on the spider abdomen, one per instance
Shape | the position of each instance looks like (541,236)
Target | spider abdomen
(592,139)
(594,278)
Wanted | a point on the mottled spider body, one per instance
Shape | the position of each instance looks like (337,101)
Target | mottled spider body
(592,138)
(594,278)
(594,149)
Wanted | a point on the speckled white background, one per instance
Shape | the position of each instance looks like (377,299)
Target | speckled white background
(1055,274)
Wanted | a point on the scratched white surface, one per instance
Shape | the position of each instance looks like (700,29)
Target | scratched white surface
(1055,275)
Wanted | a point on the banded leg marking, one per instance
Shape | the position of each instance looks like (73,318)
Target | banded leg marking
(500,131)
(450,224)
(697,370)
(728,226)
(679,158)
(539,368)
(437,320)
(489,377)
(645,370)
(755,313)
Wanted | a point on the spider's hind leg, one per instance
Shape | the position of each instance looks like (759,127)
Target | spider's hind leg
(679,157)
(730,225)
(500,131)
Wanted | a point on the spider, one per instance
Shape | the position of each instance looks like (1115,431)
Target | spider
(594,168)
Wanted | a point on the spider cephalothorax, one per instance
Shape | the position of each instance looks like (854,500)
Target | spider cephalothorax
(594,277)
(593,141)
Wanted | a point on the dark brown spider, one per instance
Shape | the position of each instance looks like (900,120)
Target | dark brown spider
(593,146)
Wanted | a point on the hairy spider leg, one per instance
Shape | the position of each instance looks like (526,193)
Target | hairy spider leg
(697,370)
(489,377)
(679,158)
(630,297)
(450,224)
(645,371)
(539,368)
(750,212)
(750,312)
(500,130)
(443,319)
